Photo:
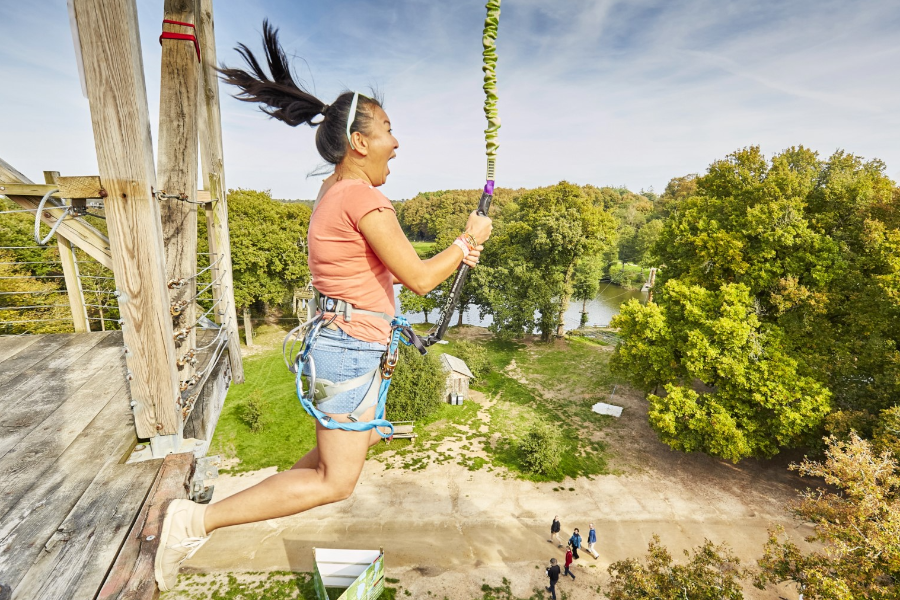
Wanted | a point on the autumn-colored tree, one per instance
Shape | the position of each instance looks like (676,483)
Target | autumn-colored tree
(710,573)
(857,521)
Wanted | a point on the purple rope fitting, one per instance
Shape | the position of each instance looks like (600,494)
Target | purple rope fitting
(489,187)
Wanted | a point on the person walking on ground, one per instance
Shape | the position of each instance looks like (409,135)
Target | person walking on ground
(569,562)
(554,532)
(575,542)
(357,252)
(592,539)
(553,574)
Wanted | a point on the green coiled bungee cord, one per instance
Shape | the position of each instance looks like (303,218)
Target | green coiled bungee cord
(489,41)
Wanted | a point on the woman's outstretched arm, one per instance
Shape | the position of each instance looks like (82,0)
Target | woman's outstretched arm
(384,235)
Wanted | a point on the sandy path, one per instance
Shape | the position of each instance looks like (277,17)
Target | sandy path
(447,530)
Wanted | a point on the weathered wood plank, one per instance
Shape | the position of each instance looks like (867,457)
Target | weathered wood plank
(49,346)
(80,186)
(28,189)
(36,452)
(78,555)
(78,231)
(74,291)
(132,576)
(38,391)
(213,177)
(13,344)
(177,170)
(36,516)
(113,71)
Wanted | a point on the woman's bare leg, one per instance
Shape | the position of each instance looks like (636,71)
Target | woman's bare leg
(340,458)
(310,460)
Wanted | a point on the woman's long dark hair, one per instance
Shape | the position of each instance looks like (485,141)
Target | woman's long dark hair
(286,100)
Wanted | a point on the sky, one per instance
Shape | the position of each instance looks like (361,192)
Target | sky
(608,92)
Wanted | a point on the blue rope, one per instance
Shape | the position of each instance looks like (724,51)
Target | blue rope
(379,422)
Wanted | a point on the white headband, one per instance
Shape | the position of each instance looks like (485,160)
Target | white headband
(351,116)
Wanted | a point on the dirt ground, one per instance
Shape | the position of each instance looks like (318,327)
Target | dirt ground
(446,530)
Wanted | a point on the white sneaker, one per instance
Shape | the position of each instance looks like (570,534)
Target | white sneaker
(183,532)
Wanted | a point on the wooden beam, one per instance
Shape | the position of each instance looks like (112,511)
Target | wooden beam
(78,231)
(131,576)
(113,71)
(177,170)
(213,173)
(70,271)
(80,186)
(28,189)
(73,285)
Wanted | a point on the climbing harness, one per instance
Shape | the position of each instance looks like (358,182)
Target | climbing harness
(317,390)
(489,41)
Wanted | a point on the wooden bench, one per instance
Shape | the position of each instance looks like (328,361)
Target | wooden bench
(403,430)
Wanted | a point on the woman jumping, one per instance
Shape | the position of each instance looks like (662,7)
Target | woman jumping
(357,252)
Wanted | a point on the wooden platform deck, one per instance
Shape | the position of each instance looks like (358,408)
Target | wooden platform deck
(70,507)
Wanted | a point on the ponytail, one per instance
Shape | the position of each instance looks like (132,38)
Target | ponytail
(284,99)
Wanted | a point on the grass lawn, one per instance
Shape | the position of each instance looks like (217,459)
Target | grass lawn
(556,383)
(422,248)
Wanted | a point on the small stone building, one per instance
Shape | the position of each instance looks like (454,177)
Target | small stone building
(456,388)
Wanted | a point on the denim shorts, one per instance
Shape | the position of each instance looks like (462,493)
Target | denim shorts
(339,357)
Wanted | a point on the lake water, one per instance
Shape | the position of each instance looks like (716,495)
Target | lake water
(600,310)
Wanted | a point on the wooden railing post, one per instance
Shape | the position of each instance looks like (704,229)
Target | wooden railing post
(177,172)
(214,180)
(70,273)
(113,70)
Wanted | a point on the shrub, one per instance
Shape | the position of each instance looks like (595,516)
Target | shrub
(541,448)
(475,357)
(417,388)
(254,412)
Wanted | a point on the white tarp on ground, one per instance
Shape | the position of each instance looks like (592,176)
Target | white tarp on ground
(607,409)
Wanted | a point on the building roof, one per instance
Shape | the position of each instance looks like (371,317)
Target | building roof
(455,365)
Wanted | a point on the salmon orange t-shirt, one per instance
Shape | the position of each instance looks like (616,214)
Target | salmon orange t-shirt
(342,263)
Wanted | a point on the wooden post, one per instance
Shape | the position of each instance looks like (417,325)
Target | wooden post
(248,327)
(214,180)
(177,171)
(113,70)
(73,285)
(70,272)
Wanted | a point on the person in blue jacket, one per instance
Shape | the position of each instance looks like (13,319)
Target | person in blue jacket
(575,540)
(592,539)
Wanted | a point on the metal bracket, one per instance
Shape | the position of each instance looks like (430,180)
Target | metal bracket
(206,469)
(162,445)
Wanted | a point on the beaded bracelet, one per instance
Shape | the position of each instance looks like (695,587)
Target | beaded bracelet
(469,240)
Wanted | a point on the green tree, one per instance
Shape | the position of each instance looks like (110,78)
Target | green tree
(529,265)
(417,388)
(753,400)
(586,282)
(857,521)
(411,302)
(268,247)
(814,246)
(711,573)
(541,448)
(29,304)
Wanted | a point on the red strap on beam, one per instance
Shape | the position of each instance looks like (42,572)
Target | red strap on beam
(170,35)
